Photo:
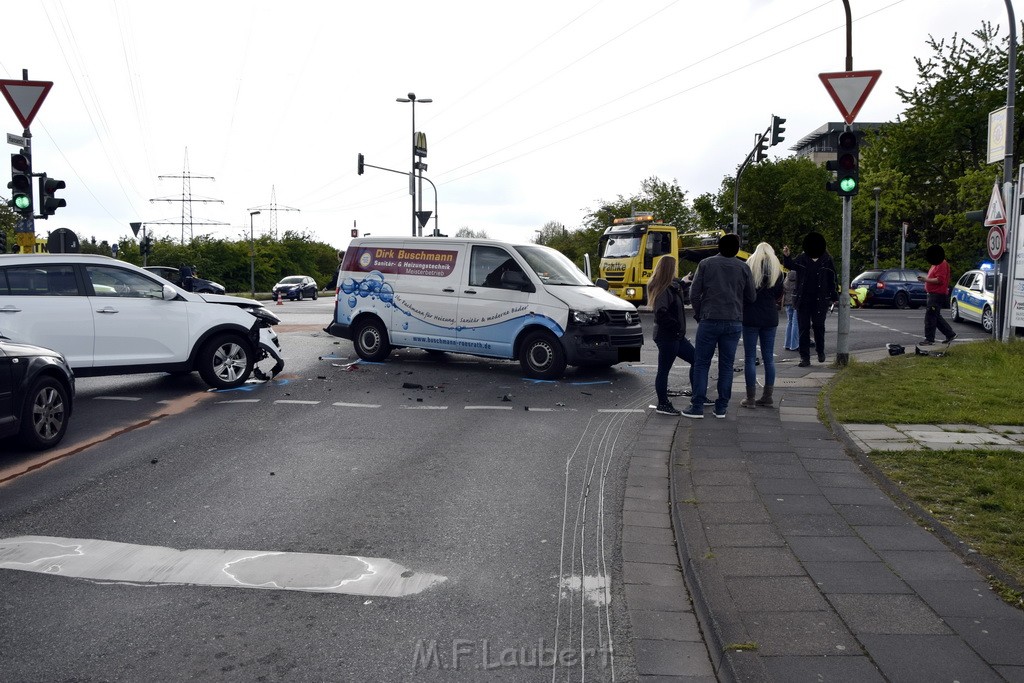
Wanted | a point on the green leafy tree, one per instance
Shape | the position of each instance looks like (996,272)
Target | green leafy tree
(931,164)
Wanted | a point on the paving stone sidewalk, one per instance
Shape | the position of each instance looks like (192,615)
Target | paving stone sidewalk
(796,565)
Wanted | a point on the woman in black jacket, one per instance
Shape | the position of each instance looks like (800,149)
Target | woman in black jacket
(666,297)
(817,288)
(760,322)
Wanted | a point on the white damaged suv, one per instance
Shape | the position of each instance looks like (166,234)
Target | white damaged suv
(109,317)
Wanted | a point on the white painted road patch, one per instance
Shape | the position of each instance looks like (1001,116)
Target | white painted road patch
(110,561)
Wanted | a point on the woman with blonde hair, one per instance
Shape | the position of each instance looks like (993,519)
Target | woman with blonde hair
(666,298)
(760,321)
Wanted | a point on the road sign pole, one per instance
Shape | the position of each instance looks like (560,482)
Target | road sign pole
(843,336)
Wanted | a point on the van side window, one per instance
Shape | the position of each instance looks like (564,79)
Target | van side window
(486,265)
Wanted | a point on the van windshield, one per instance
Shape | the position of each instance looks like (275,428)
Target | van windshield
(552,267)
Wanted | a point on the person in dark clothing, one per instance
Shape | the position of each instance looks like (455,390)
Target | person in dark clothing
(187,277)
(816,290)
(760,322)
(666,298)
(720,287)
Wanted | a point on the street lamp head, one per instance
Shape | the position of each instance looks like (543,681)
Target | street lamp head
(877,191)
(254,213)
(424,100)
(402,99)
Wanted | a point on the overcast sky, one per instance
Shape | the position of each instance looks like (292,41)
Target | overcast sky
(541,110)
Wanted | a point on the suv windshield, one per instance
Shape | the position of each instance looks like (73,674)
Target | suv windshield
(552,267)
(293,280)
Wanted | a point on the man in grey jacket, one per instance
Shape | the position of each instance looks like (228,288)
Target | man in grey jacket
(719,288)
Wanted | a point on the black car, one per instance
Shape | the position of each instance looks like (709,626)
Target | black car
(897,287)
(296,287)
(191,284)
(37,390)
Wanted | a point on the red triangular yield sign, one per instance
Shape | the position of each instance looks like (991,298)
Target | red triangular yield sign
(996,214)
(25,97)
(849,90)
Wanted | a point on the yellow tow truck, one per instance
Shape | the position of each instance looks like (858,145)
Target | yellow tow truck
(631,247)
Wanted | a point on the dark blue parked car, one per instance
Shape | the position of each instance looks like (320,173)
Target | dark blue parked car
(892,287)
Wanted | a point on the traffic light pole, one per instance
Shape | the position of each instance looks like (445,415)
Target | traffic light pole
(843,335)
(736,185)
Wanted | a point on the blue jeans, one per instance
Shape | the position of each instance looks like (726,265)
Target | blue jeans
(668,351)
(792,330)
(751,337)
(723,335)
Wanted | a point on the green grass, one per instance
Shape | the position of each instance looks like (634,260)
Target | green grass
(977,494)
(980,383)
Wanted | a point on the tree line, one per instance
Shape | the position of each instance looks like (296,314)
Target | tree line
(930,166)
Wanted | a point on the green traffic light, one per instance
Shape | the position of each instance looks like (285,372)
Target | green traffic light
(848,184)
(22,202)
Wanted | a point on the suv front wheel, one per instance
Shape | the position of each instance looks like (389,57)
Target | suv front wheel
(225,361)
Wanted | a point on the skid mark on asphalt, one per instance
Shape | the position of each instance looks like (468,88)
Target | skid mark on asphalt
(583,610)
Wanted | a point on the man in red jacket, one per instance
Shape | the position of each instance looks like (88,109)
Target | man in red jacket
(936,286)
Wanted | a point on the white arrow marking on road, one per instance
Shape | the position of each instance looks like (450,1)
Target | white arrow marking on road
(100,560)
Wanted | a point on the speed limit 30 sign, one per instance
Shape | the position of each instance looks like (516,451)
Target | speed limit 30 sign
(996,242)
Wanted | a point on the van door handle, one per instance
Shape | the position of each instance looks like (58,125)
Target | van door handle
(448,289)
(469,291)
(107,309)
(10,309)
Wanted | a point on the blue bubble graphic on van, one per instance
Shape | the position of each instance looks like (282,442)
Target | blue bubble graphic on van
(352,302)
(387,293)
(405,326)
(349,285)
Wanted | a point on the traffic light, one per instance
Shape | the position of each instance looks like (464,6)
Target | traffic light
(777,130)
(847,182)
(48,201)
(21,183)
(360,164)
(762,148)
(146,246)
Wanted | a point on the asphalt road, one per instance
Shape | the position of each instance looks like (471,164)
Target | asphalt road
(500,492)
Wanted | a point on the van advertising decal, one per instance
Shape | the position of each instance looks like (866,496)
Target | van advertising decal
(399,261)
(374,291)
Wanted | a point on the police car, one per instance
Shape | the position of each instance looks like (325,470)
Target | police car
(973,297)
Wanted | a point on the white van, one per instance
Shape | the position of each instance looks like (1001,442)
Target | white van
(482,297)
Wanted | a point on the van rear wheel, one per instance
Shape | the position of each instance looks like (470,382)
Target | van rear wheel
(371,341)
(541,356)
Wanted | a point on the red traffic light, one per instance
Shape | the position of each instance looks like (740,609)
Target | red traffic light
(21,163)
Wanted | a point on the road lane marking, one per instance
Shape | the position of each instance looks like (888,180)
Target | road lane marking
(241,400)
(342,404)
(424,407)
(298,403)
(488,407)
(110,561)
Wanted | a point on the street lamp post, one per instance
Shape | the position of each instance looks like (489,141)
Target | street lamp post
(411,98)
(252,257)
(874,245)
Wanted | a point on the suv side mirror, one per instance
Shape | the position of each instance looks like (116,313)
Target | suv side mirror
(602,283)
(169,294)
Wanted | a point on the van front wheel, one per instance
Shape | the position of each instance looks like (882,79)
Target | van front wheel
(541,356)
(371,341)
